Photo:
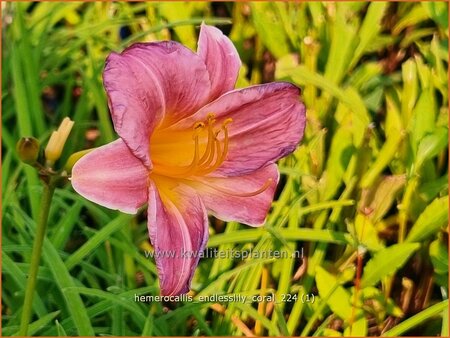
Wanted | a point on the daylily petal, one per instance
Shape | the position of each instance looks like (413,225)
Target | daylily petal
(113,177)
(178,228)
(221,59)
(267,124)
(230,198)
(150,84)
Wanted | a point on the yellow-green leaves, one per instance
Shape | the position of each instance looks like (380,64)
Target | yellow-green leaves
(430,146)
(386,262)
(382,196)
(433,218)
(384,157)
(439,257)
(340,302)
(268,24)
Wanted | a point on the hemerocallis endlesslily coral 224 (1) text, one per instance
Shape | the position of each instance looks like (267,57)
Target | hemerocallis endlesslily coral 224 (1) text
(190,144)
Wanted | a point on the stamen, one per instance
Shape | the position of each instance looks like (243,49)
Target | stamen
(215,143)
(194,162)
(210,144)
(221,158)
(266,185)
(199,125)
(227,122)
(213,156)
(197,128)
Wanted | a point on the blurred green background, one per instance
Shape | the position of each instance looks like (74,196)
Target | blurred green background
(367,189)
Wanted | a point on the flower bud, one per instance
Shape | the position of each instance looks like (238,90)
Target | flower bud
(74,158)
(28,149)
(57,141)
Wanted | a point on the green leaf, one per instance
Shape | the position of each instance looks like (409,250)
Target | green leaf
(269,29)
(417,319)
(438,11)
(413,17)
(280,320)
(439,256)
(340,153)
(423,117)
(349,96)
(359,327)
(433,218)
(37,325)
(393,122)
(386,262)
(385,156)
(370,28)
(100,237)
(337,298)
(24,123)
(178,11)
(257,316)
(252,235)
(64,227)
(429,190)
(125,302)
(60,329)
(367,233)
(342,46)
(410,88)
(444,328)
(20,279)
(64,280)
(331,333)
(431,145)
(382,196)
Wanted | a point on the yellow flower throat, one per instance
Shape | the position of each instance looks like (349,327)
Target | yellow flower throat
(209,154)
(212,157)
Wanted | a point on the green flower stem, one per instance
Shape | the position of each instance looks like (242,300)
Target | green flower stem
(41,226)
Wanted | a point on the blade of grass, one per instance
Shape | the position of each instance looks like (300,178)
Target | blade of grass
(65,281)
(101,236)
(11,268)
(64,227)
(417,319)
(25,126)
(38,325)
(116,299)
(255,315)
(252,235)
(370,28)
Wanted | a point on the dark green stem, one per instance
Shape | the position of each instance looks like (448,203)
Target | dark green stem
(41,226)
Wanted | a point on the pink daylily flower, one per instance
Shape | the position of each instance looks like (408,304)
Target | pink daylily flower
(190,144)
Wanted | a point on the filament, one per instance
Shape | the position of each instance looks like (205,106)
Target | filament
(244,194)
(202,162)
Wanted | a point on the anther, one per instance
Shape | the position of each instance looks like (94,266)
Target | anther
(227,121)
(198,125)
(214,153)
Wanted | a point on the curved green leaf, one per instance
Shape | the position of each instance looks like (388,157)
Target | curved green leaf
(430,220)
(386,262)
